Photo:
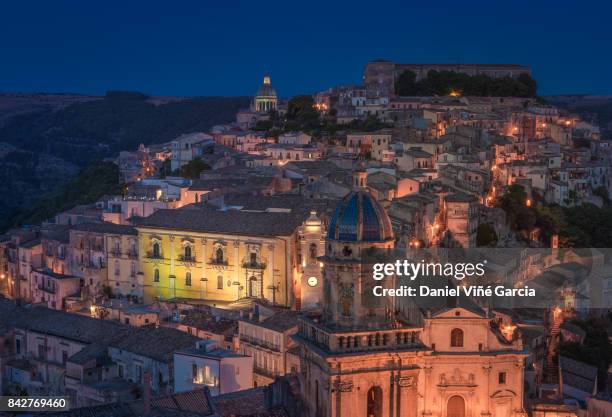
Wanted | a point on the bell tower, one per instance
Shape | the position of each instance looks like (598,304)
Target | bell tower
(312,247)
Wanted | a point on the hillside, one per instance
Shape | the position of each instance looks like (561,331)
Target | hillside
(597,108)
(45,139)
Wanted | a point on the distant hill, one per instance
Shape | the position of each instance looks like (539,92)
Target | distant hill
(46,138)
(597,108)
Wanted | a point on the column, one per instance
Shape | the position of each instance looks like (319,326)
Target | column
(237,268)
(270,269)
(172,276)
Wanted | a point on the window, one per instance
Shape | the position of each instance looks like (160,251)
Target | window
(194,372)
(156,275)
(375,402)
(187,252)
(313,252)
(117,269)
(156,252)
(133,270)
(253,257)
(18,346)
(219,256)
(220,282)
(501,378)
(188,279)
(457,338)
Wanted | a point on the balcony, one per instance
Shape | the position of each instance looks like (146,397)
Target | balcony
(219,262)
(92,266)
(259,342)
(132,254)
(152,255)
(265,372)
(248,263)
(186,259)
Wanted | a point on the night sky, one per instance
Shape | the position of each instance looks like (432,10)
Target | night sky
(202,47)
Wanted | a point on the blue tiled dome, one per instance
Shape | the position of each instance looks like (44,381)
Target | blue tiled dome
(359,218)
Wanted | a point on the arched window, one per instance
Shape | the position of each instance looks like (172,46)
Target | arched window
(219,256)
(156,275)
(156,251)
(374,402)
(220,282)
(456,338)
(187,252)
(188,279)
(313,252)
(455,407)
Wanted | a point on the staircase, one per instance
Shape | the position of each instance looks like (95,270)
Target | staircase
(551,368)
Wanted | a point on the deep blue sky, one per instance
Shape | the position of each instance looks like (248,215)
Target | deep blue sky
(224,47)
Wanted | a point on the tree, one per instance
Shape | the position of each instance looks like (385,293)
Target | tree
(97,179)
(166,168)
(301,113)
(406,84)
(596,349)
(485,235)
(602,192)
(193,168)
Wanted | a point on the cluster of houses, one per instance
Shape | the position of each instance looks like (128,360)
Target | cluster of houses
(181,286)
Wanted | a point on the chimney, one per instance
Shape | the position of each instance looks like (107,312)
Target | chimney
(147,393)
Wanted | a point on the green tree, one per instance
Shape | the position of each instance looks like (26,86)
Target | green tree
(596,349)
(92,182)
(602,192)
(406,84)
(166,168)
(485,235)
(301,113)
(193,168)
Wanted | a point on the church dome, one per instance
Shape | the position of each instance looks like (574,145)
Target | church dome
(360,218)
(266,89)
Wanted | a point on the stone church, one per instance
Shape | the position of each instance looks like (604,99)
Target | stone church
(362,357)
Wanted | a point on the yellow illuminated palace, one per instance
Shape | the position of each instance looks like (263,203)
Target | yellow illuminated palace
(222,255)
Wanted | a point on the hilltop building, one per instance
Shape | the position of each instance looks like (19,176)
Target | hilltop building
(380,75)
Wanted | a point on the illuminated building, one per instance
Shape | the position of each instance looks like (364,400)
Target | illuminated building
(266,99)
(379,356)
(221,255)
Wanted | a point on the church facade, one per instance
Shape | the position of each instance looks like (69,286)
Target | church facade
(359,356)
(222,256)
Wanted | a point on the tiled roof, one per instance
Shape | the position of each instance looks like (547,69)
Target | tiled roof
(578,374)
(156,343)
(228,221)
(280,322)
(105,227)
(241,403)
